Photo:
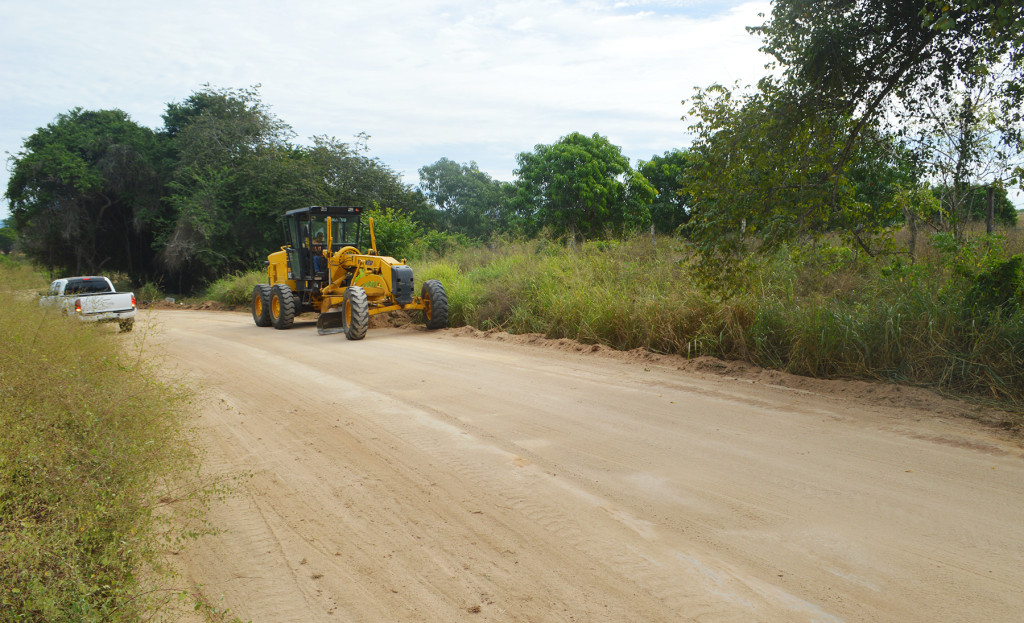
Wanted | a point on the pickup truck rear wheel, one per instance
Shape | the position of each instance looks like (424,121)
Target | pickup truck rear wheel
(261,305)
(282,307)
(126,325)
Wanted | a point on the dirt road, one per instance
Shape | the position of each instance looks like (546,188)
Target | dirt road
(417,476)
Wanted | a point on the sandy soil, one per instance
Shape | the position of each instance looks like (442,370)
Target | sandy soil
(460,476)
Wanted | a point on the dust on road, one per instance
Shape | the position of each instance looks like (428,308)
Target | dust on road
(436,476)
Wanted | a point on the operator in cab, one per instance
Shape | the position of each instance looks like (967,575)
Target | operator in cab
(319,261)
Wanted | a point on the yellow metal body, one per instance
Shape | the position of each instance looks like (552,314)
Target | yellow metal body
(348,267)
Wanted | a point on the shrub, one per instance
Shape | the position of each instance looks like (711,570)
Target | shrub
(235,290)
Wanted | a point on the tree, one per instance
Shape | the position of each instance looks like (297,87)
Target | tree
(338,173)
(668,175)
(758,180)
(964,143)
(85,193)
(232,172)
(582,186)
(8,239)
(469,200)
(889,64)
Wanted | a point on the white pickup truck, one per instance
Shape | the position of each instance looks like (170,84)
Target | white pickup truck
(93,299)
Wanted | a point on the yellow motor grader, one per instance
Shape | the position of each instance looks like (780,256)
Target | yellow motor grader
(322,270)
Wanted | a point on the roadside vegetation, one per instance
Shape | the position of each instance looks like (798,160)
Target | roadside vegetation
(953,321)
(97,473)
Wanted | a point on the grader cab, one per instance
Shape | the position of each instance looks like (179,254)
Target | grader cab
(322,270)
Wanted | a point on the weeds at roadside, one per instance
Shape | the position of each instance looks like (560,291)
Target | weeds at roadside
(952,321)
(93,440)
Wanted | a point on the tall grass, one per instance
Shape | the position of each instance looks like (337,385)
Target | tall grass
(236,289)
(91,440)
(820,311)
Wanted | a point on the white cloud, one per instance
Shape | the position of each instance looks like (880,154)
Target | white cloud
(427,79)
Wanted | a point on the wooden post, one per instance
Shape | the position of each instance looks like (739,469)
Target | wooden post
(991,211)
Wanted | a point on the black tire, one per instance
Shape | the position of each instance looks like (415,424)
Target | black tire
(282,307)
(126,325)
(355,313)
(435,314)
(261,305)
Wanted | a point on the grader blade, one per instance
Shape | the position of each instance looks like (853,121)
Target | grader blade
(331,322)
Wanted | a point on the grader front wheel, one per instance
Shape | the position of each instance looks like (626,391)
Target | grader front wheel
(356,313)
(435,314)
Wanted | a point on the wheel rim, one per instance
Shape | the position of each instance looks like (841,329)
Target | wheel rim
(275,307)
(258,306)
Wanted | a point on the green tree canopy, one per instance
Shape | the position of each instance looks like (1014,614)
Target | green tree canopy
(85,191)
(469,200)
(758,180)
(237,172)
(8,239)
(582,186)
(946,76)
(339,173)
(95,192)
(668,175)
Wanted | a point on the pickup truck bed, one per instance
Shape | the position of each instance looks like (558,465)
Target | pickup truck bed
(92,299)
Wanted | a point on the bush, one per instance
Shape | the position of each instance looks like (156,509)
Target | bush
(235,290)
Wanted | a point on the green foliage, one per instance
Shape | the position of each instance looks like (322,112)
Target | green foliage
(8,239)
(998,286)
(148,293)
(396,231)
(759,181)
(94,192)
(85,191)
(469,201)
(945,78)
(668,175)
(91,442)
(236,289)
(231,168)
(975,204)
(337,173)
(582,186)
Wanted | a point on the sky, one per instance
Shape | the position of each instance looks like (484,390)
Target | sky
(469,81)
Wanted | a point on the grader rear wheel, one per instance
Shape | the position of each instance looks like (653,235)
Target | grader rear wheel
(282,307)
(261,305)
